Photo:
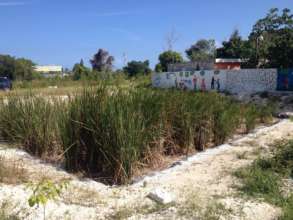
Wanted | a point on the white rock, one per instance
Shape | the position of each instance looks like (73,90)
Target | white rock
(161,196)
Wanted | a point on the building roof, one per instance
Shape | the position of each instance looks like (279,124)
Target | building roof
(220,60)
(48,68)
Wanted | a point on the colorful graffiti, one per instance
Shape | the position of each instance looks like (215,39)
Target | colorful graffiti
(234,81)
(198,80)
(285,80)
(195,80)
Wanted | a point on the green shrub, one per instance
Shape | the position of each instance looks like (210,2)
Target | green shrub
(251,115)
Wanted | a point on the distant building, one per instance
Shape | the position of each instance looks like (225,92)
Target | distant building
(191,66)
(228,64)
(218,64)
(50,70)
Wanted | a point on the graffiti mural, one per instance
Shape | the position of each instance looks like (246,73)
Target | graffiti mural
(195,80)
(285,80)
(234,81)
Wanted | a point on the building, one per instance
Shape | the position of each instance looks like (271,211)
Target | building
(227,64)
(217,64)
(191,66)
(50,70)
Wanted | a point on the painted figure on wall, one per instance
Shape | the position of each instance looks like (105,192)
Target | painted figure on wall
(218,84)
(194,83)
(213,83)
(176,83)
(286,83)
(203,85)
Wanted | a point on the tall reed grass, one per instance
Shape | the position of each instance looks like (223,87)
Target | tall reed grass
(109,134)
(32,122)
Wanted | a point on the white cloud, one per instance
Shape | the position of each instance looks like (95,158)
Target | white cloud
(117,13)
(12,3)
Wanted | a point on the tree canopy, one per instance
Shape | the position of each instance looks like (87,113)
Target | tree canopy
(235,47)
(202,50)
(137,67)
(268,45)
(166,58)
(102,61)
(14,68)
(79,71)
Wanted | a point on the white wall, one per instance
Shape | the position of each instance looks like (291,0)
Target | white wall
(251,80)
(234,81)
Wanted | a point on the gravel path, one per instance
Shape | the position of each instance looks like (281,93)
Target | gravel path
(202,185)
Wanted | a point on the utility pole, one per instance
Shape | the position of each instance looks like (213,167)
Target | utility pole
(258,39)
(124,59)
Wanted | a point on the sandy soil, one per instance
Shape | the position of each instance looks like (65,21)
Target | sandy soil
(202,185)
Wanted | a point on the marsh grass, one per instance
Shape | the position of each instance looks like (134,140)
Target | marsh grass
(31,121)
(109,133)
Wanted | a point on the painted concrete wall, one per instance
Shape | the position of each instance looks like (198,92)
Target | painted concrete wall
(234,81)
(285,80)
(191,80)
(251,80)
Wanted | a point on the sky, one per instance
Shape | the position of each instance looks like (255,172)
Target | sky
(62,32)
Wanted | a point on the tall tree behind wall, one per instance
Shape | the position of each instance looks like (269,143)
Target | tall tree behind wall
(102,61)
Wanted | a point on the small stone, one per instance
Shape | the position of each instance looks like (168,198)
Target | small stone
(160,196)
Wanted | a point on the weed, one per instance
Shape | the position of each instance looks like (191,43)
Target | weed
(192,208)
(241,155)
(5,213)
(44,191)
(12,172)
(264,178)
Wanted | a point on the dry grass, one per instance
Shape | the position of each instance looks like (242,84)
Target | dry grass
(82,197)
(12,172)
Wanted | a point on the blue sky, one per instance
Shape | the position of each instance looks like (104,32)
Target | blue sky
(64,31)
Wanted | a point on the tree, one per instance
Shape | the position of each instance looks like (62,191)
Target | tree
(235,47)
(202,50)
(16,68)
(80,71)
(269,36)
(166,58)
(102,61)
(158,68)
(280,54)
(7,66)
(81,62)
(24,69)
(137,67)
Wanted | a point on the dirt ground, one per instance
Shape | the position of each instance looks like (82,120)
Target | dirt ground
(203,186)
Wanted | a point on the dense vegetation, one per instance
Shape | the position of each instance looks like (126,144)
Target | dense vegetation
(17,68)
(110,133)
(265,178)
